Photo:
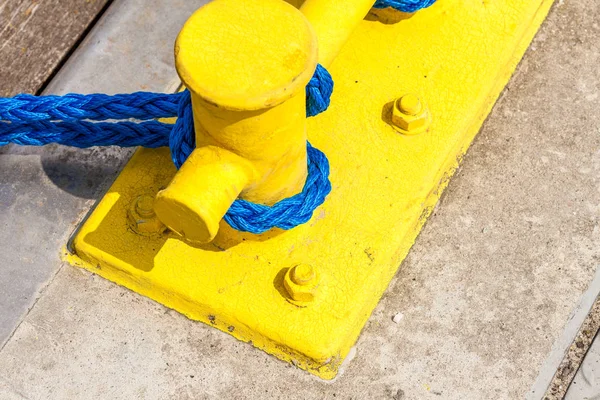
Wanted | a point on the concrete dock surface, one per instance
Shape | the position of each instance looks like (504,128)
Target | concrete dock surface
(486,304)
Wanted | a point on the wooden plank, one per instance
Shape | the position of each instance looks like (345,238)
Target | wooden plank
(36,35)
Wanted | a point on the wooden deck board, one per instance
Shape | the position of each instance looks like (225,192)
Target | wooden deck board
(36,35)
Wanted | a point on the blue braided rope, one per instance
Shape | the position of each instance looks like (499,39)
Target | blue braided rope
(182,140)
(26,108)
(407,6)
(69,120)
(84,134)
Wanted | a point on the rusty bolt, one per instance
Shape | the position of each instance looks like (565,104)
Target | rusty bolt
(409,115)
(141,217)
(302,283)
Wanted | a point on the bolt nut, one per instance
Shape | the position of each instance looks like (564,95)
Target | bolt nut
(409,115)
(302,283)
(142,219)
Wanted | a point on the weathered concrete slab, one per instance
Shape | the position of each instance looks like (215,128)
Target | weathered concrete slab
(44,191)
(483,295)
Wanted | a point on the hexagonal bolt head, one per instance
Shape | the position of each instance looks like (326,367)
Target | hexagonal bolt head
(302,283)
(141,217)
(409,115)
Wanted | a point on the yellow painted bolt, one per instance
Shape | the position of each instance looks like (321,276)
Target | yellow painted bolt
(303,274)
(409,115)
(302,283)
(144,205)
(142,219)
(409,104)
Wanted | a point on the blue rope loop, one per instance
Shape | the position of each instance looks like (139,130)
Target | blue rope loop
(69,120)
(318,92)
(407,6)
(290,212)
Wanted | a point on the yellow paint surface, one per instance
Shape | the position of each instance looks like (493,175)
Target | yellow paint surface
(457,56)
(334,21)
(231,32)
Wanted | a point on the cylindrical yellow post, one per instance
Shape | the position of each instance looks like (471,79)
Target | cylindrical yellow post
(246,63)
(334,21)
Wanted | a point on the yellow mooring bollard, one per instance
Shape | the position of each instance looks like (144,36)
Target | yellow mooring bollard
(248,96)
(247,71)
(411,92)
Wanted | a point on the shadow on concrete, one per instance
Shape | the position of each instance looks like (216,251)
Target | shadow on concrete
(84,173)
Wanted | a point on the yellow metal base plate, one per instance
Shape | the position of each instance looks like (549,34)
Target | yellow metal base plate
(457,55)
